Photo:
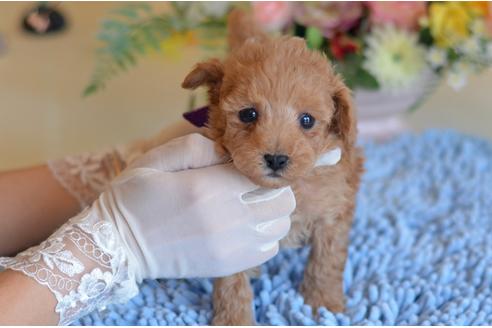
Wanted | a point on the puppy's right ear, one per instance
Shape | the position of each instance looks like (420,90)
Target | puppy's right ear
(209,73)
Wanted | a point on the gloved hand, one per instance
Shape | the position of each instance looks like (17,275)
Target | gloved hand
(175,212)
(200,222)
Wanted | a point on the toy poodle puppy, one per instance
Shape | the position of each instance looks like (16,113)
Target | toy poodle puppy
(275,107)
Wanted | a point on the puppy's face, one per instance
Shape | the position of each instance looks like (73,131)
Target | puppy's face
(275,107)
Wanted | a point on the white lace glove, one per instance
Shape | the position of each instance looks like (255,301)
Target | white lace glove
(158,220)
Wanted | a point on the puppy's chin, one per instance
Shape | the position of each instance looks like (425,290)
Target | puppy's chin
(270,180)
(274,182)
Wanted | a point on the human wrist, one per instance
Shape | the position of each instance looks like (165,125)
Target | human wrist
(83,264)
(84,176)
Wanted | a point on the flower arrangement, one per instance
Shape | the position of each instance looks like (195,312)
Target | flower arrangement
(374,45)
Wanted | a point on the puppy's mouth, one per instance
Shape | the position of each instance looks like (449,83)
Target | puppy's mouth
(274,175)
(270,179)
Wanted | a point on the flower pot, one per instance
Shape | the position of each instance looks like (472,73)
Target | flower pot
(381,112)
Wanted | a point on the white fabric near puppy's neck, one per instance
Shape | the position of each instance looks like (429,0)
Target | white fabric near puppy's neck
(329,158)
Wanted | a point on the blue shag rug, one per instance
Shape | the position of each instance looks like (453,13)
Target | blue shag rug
(420,253)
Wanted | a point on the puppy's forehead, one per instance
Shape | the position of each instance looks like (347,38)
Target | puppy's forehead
(282,73)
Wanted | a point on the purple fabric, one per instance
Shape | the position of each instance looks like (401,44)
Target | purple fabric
(197,117)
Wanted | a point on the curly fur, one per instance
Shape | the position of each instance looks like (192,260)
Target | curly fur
(282,79)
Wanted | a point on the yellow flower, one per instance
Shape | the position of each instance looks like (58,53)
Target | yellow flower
(482,14)
(449,22)
(477,8)
(173,45)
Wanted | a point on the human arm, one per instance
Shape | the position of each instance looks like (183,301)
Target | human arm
(175,213)
(31,198)
(18,293)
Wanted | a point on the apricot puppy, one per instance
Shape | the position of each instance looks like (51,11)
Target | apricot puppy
(275,107)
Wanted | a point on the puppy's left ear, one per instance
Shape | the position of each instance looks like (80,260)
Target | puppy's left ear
(208,73)
(242,27)
(344,122)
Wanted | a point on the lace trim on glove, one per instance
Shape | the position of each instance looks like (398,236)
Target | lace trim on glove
(86,175)
(83,264)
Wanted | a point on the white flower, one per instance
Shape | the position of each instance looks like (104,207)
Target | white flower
(199,11)
(394,57)
(424,21)
(458,75)
(478,27)
(215,9)
(437,57)
(471,47)
(457,81)
(463,67)
(194,13)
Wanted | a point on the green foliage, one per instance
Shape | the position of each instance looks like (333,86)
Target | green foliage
(425,37)
(453,55)
(132,31)
(314,38)
(299,30)
(354,74)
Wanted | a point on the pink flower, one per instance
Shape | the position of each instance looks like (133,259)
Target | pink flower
(329,17)
(272,15)
(402,14)
(488,20)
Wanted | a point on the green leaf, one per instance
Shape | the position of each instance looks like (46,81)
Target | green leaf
(354,75)
(365,80)
(452,55)
(425,37)
(314,37)
(132,30)
(150,37)
(127,12)
(299,30)
(181,8)
(130,59)
(115,26)
(132,11)
(90,90)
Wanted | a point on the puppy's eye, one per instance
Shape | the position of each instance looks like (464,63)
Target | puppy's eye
(248,115)
(306,121)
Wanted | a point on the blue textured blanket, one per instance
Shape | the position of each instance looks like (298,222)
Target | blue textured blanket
(420,253)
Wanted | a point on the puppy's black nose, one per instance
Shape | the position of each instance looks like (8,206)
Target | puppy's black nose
(276,162)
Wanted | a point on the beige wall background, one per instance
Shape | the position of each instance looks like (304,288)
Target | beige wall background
(42,113)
